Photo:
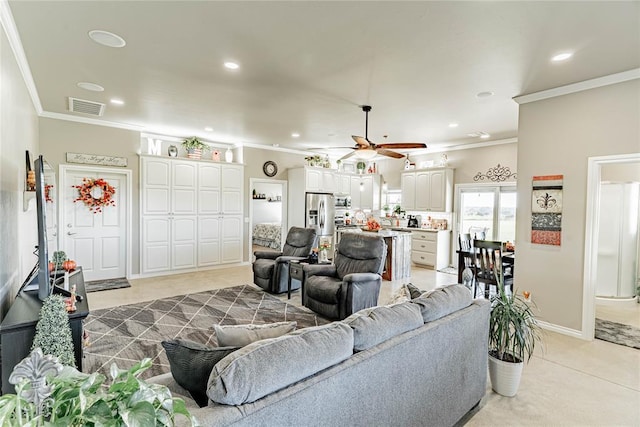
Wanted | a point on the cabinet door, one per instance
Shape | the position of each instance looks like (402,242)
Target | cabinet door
(343,184)
(183,187)
(408,187)
(366,193)
(313,180)
(231,236)
(183,248)
(355,192)
(155,182)
(208,189)
(156,246)
(437,191)
(208,240)
(232,182)
(328,181)
(423,190)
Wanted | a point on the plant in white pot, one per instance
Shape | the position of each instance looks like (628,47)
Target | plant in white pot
(194,147)
(513,333)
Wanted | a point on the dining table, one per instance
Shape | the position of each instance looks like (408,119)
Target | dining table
(508,261)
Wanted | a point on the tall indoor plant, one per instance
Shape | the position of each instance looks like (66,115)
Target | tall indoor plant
(513,333)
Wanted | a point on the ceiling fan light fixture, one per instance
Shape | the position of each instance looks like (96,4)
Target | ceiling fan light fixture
(365,154)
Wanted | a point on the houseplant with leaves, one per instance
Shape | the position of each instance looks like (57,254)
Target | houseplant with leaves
(50,394)
(53,332)
(194,147)
(513,334)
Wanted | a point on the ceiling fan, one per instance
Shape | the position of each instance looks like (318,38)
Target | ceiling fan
(365,149)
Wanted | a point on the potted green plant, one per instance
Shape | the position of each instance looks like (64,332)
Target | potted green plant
(397,209)
(386,210)
(194,147)
(50,394)
(53,333)
(361,166)
(57,259)
(513,333)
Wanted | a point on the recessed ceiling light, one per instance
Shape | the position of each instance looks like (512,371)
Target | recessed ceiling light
(231,65)
(106,38)
(116,101)
(208,129)
(561,56)
(453,125)
(295,135)
(485,94)
(90,86)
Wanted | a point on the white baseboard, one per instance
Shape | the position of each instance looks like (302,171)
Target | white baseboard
(563,330)
(191,270)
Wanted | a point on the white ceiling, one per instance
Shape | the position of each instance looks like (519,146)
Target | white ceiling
(307,66)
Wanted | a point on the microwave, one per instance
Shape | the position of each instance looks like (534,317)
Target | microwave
(342,201)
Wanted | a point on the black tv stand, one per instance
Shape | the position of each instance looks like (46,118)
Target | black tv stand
(65,293)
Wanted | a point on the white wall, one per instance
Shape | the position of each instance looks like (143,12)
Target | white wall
(265,210)
(18,133)
(557,136)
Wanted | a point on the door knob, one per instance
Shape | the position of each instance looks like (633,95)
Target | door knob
(70,233)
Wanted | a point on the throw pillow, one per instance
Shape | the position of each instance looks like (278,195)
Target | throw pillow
(191,363)
(266,366)
(414,291)
(372,326)
(443,301)
(241,335)
(400,295)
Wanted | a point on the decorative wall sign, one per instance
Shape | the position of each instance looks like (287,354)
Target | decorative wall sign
(496,174)
(96,159)
(546,210)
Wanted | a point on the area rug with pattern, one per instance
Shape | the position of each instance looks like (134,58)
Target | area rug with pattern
(129,333)
(617,333)
(106,285)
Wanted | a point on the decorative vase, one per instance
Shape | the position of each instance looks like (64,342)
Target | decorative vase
(228,156)
(172,151)
(322,256)
(505,376)
(194,153)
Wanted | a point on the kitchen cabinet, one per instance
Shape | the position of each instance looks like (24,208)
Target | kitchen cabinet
(428,190)
(320,180)
(343,184)
(431,248)
(191,213)
(366,196)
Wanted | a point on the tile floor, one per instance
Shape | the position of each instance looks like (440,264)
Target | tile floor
(570,382)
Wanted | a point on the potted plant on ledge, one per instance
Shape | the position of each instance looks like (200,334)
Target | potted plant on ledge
(513,333)
(194,147)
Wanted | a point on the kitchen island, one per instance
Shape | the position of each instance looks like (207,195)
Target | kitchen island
(398,263)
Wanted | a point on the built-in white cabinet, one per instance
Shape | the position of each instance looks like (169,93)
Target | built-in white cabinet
(343,184)
(320,180)
(191,213)
(428,190)
(431,248)
(365,192)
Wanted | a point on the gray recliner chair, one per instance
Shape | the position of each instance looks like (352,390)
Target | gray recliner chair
(351,283)
(271,269)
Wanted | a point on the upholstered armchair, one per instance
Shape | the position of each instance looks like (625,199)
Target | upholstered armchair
(271,269)
(351,283)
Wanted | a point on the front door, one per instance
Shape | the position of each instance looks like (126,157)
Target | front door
(96,240)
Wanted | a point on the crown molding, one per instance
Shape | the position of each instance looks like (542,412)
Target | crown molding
(90,121)
(9,25)
(580,86)
(473,145)
(272,148)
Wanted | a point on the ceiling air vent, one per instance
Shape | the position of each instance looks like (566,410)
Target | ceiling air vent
(86,107)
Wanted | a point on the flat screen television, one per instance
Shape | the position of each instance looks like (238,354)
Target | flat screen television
(39,276)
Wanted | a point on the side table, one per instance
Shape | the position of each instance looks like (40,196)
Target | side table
(295,272)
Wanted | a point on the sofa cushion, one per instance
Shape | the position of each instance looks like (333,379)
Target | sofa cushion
(270,365)
(372,326)
(323,288)
(402,294)
(241,335)
(443,301)
(191,364)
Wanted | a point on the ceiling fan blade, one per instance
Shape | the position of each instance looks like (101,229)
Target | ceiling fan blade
(400,145)
(362,142)
(389,153)
(346,156)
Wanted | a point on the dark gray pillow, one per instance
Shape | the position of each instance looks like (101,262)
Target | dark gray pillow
(414,291)
(266,366)
(372,326)
(191,363)
(443,301)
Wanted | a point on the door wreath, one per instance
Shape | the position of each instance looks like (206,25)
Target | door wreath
(95,193)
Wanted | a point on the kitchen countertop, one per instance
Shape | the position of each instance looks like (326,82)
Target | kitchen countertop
(409,229)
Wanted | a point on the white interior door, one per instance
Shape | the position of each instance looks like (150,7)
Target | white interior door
(96,241)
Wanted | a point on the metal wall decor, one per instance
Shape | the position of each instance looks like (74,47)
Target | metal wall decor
(496,174)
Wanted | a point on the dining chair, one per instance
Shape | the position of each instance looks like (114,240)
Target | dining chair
(466,270)
(479,233)
(488,265)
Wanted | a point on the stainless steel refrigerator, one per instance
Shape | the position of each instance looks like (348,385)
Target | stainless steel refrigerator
(320,212)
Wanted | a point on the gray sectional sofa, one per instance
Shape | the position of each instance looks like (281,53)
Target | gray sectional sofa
(403,371)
